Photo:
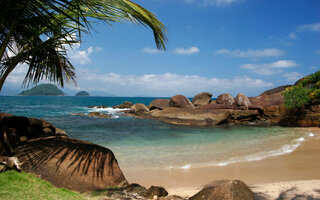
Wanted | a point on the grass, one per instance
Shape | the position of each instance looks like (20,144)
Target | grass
(17,186)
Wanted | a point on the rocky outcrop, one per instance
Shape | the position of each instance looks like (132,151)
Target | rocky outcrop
(124,105)
(94,114)
(138,108)
(227,190)
(154,192)
(180,101)
(202,99)
(226,99)
(242,100)
(17,129)
(70,163)
(159,104)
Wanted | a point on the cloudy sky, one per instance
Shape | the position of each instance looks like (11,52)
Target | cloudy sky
(219,46)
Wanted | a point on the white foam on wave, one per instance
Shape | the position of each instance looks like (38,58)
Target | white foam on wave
(109,110)
(285,149)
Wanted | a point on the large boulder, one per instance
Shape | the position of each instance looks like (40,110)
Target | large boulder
(242,100)
(180,101)
(159,104)
(227,190)
(201,99)
(124,105)
(139,108)
(70,163)
(225,99)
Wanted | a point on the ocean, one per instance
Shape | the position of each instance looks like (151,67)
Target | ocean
(144,143)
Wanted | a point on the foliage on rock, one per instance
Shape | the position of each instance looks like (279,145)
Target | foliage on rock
(305,93)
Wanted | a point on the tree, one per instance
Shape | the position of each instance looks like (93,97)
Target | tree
(37,32)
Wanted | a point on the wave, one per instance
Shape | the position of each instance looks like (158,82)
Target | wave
(285,149)
(108,110)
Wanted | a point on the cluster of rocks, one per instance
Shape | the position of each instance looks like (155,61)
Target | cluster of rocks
(266,109)
(226,190)
(94,114)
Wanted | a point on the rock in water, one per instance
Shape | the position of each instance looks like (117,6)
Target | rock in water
(139,108)
(242,100)
(227,190)
(225,99)
(202,99)
(126,104)
(180,101)
(70,163)
(159,104)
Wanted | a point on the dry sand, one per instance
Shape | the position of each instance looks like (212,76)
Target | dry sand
(271,176)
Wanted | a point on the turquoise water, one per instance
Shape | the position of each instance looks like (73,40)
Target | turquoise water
(148,143)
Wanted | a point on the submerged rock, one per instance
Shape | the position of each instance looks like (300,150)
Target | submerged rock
(201,99)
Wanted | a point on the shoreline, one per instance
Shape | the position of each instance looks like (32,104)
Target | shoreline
(300,165)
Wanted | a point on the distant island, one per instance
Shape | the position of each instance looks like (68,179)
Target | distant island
(43,90)
(82,94)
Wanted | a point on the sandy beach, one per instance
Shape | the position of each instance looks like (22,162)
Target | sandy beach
(271,176)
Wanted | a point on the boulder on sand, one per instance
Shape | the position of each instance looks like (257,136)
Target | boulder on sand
(180,101)
(159,104)
(202,99)
(225,190)
(70,163)
(225,99)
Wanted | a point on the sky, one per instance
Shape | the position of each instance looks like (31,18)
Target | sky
(217,46)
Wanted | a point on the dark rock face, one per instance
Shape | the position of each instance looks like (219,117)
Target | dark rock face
(225,99)
(242,100)
(201,99)
(228,190)
(159,104)
(135,188)
(155,191)
(70,163)
(17,129)
(180,101)
(124,105)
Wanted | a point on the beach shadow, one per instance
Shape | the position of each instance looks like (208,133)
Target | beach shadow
(292,194)
(70,154)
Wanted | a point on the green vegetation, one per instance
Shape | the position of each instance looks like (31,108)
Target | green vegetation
(82,94)
(43,90)
(37,32)
(305,93)
(15,185)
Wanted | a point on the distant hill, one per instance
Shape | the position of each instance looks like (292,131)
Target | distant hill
(82,94)
(43,90)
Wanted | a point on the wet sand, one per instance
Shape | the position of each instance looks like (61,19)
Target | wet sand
(302,164)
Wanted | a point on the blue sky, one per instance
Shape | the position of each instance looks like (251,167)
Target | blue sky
(219,46)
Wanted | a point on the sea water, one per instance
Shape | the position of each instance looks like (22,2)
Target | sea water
(144,143)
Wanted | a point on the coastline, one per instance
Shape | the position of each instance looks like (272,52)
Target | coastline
(301,165)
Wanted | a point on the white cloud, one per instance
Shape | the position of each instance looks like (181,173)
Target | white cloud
(151,50)
(17,75)
(167,84)
(81,56)
(187,51)
(270,68)
(293,76)
(271,52)
(212,2)
(310,27)
(292,36)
